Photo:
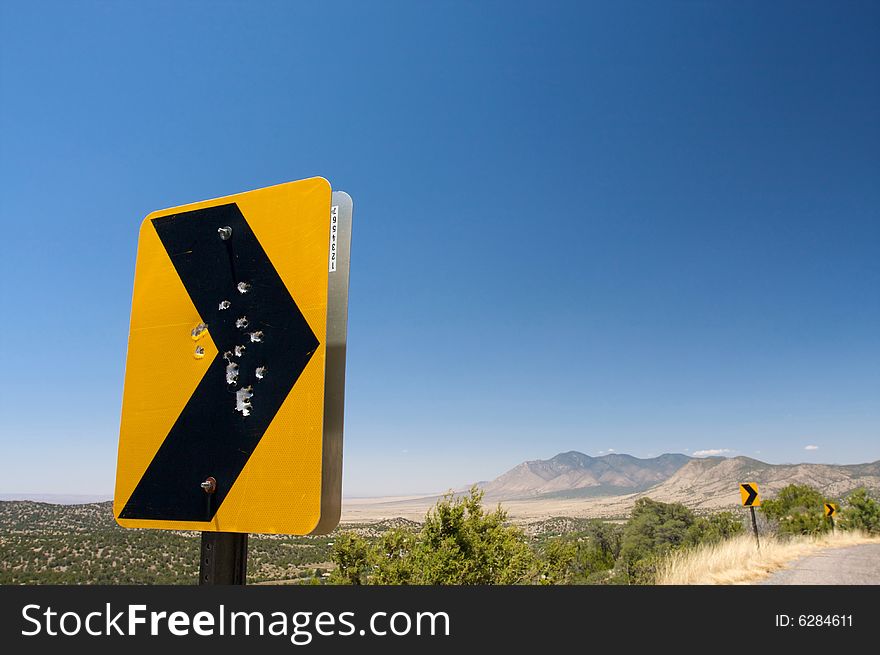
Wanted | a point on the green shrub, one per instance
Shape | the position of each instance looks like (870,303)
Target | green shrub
(861,512)
(459,544)
(797,509)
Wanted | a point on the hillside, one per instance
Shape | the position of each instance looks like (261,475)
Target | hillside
(698,482)
(712,482)
(574,474)
(42,543)
(62,544)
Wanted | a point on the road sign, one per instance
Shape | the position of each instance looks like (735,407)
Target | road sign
(830,509)
(749,493)
(234,381)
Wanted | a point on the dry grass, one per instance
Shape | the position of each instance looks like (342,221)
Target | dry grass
(737,561)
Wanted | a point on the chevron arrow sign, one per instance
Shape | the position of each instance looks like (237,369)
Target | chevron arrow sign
(234,383)
(749,493)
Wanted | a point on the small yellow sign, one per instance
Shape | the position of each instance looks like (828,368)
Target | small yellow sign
(749,493)
(232,403)
(830,509)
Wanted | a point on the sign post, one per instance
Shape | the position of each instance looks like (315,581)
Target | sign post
(224,558)
(755,527)
(830,511)
(750,498)
(235,375)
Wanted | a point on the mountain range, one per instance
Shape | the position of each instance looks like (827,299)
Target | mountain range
(670,477)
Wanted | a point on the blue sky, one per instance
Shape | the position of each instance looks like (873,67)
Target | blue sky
(647,227)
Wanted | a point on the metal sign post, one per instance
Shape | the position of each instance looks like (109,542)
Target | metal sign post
(224,558)
(755,526)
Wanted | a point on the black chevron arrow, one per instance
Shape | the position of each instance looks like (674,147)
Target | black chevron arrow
(219,427)
(752,492)
(829,510)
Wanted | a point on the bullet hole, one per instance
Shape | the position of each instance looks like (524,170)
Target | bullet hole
(243,287)
(224,232)
(241,323)
(199,352)
(199,331)
(231,369)
(257,336)
(243,400)
(225,305)
(260,372)
(239,351)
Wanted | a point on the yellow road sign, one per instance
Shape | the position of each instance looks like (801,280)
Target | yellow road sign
(830,509)
(234,380)
(749,493)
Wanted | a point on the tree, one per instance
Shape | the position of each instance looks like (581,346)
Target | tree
(862,512)
(557,561)
(714,528)
(797,509)
(353,558)
(462,544)
(584,557)
(459,544)
(393,558)
(653,530)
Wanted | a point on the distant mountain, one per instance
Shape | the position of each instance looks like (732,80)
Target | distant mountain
(574,474)
(706,481)
(713,481)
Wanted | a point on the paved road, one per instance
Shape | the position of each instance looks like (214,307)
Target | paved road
(851,565)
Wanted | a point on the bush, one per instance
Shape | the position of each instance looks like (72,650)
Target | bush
(459,544)
(584,557)
(861,513)
(798,509)
(714,528)
(653,530)
(353,558)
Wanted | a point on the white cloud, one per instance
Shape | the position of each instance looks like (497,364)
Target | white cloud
(712,452)
(811,447)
